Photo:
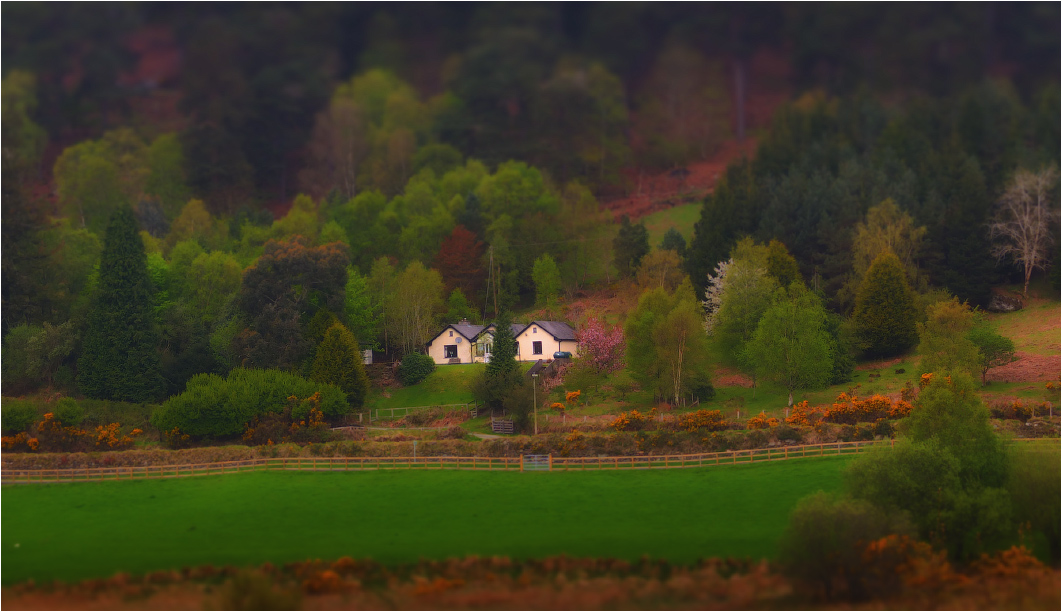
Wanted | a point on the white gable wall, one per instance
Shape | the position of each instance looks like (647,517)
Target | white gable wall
(453,338)
(527,339)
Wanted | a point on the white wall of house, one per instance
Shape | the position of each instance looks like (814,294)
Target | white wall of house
(546,344)
(450,342)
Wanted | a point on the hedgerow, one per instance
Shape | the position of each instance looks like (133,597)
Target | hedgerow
(216,407)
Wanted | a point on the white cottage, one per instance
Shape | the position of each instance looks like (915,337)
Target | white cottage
(464,342)
(541,339)
(455,343)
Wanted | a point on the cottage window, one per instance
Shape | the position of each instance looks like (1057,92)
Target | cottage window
(536,348)
(451,333)
(450,351)
(534,330)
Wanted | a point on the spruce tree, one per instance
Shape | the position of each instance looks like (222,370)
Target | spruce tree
(503,354)
(630,246)
(338,362)
(120,358)
(885,308)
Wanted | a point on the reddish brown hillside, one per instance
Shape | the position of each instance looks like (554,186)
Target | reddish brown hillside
(768,87)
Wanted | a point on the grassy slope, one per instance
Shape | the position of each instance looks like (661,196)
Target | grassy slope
(448,384)
(1035,330)
(74,531)
(681,218)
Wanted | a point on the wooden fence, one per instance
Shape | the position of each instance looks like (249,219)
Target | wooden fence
(330,464)
(375,414)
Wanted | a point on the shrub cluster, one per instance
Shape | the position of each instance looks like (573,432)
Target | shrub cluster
(216,407)
(17,416)
(51,435)
(275,427)
(849,410)
(415,368)
(709,420)
(761,421)
(1018,411)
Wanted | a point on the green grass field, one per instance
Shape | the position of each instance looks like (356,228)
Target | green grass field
(448,384)
(681,218)
(83,530)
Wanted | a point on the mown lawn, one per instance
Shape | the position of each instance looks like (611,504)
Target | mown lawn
(448,384)
(83,530)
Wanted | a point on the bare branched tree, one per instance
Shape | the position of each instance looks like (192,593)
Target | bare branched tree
(1026,219)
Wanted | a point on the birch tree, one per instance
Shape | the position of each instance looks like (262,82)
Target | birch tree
(1025,223)
(791,345)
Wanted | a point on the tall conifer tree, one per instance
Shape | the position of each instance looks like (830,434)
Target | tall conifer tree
(338,362)
(885,310)
(120,359)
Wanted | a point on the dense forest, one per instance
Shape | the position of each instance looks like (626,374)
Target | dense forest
(193,189)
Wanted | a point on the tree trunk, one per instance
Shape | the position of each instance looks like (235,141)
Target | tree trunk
(790,399)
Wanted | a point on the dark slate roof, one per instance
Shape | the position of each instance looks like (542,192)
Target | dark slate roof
(557,329)
(516,328)
(468,330)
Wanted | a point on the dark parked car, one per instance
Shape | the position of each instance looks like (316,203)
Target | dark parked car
(562,355)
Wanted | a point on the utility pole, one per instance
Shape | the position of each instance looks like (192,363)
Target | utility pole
(534,396)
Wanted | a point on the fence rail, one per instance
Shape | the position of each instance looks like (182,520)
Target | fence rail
(375,413)
(329,464)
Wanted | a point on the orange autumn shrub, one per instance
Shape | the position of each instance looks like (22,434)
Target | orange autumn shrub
(900,409)
(20,442)
(556,406)
(55,437)
(804,415)
(711,420)
(897,562)
(175,439)
(572,397)
(574,442)
(849,409)
(631,421)
(110,437)
(278,427)
(761,421)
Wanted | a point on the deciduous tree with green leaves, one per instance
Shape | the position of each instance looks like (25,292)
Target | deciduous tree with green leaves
(547,282)
(791,345)
(944,342)
(667,350)
(993,350)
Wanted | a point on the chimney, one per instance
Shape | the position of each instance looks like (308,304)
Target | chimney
(463,322)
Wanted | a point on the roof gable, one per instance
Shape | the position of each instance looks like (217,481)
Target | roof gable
(516,328)
(557,329)
(468,332)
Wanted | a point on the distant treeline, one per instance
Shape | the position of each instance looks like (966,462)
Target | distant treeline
(825,162)
(578,90)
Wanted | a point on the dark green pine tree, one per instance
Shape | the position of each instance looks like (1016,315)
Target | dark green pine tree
(503,353)
(885,310)
(731,211)
(673,241)
(120,358)
(958,256)
(338,362)
(630,246)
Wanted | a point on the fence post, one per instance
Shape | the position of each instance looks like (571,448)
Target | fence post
(551,462)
